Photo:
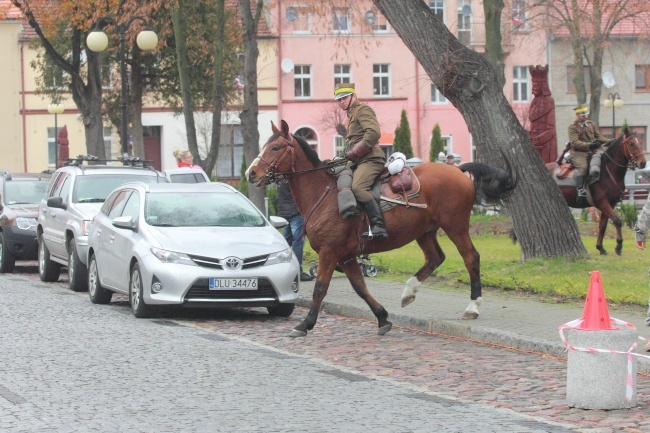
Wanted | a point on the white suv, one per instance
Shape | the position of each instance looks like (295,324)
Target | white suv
(74,196)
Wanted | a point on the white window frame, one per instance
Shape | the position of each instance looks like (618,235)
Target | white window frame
(520,85)
(382,75)
(339,145)
(438,8)
(108,142)
(305,80)
(341,15)
(340,76)
(381,24)
(51,146)
(464,23)
(519,15)
(436,96)
(303,17)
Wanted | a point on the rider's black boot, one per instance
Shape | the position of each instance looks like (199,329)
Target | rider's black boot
(581,192)
(377,226)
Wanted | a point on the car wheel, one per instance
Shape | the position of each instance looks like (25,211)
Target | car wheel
(48,270)
(77,272)
(98,294)
(281,310)
(370,271)
(138,307)
(313,270)
(7,260)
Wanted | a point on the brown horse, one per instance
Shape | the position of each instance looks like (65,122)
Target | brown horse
(621,153)
(447,192)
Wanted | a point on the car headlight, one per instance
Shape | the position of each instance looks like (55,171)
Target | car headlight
(172,257)
(283,256)
(85,227)
(26,223)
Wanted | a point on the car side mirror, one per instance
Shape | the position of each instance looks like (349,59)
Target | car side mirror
(56,202)
(278,222)
(124,222)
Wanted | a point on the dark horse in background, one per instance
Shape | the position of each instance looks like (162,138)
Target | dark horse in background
(447,192)
(621,153)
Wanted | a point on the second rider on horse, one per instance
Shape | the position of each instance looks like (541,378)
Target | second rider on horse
(364,153)
(584,139)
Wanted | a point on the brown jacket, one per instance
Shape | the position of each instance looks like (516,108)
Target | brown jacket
(363,125)
(581,134)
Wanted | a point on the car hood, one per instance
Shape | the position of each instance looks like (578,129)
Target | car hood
(220,242)
(25,210)
(88,210)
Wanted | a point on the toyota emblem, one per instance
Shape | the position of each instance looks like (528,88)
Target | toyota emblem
(232,263)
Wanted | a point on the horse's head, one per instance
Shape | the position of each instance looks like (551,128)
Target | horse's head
(633,151)
(278,157)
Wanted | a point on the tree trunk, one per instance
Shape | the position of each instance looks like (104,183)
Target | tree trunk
(493,46)
(135,104)
(542,221)
(183,64)
(250,110)
(217,97)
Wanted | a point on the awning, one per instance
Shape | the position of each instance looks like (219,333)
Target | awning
(387,138)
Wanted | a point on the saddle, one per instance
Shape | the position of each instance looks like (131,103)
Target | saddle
(400,187)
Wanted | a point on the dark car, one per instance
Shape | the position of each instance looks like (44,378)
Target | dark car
(20,195)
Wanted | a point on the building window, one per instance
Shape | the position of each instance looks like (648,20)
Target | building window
(339,145)
(231,152)
(438,8)
(53,77)
(381,23)
(436,96)
(571,86)
(302,81)
(520,84)
(464,22)
(108,142)
(301,19)
(342,74)
(51,146)
(640,131)
(340,20)
(642,78)
(309,136)
(519,15)
(381,80)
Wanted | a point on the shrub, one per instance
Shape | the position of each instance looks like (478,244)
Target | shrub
(628,213)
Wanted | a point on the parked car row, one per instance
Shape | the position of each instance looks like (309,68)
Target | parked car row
(128,230)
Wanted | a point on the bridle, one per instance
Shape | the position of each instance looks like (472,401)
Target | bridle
(273,176)
(631,157)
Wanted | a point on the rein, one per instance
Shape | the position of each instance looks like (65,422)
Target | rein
(631,157)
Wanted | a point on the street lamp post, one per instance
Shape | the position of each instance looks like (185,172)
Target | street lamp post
(56,109)
(97,41)
(613,101)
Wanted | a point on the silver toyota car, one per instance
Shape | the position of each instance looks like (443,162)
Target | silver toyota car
(199,244)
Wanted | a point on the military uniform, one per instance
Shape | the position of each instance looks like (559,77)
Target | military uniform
(581,135)
(363,126)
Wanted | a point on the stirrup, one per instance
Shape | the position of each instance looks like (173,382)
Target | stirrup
(582,193)
(369,235)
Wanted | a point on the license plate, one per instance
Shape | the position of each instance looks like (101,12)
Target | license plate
(233,284)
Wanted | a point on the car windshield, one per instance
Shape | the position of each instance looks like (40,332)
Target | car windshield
(25,191)
(96,188)
(200,209)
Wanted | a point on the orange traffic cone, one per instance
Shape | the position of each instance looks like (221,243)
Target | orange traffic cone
(595,316)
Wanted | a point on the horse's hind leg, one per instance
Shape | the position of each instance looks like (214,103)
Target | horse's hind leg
(433,257)
(472,260)
(325,270)
(353,271)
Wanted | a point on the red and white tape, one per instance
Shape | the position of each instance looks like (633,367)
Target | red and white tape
(574,324)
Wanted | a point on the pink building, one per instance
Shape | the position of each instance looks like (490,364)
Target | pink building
(318,49)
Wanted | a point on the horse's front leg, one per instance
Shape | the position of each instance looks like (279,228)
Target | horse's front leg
(353,271)
(325,270)
(619,235)
(607,213)
(602,228)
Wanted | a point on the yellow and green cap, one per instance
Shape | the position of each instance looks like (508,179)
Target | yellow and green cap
(342,90)
(582,109)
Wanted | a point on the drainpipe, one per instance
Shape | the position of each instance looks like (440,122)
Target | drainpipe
(280,75)
(23,110)
(417,106)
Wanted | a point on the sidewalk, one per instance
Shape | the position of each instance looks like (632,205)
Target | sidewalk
(507,319)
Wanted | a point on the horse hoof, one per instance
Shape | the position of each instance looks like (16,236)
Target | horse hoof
(384,329)
(618,252)
(603,252)
(296,333)
(470,315)
(407,300)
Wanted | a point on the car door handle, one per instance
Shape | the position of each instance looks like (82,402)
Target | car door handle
(53,214)
(99,231)
(112,238)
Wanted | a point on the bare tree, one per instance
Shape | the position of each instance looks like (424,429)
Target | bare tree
(542,221)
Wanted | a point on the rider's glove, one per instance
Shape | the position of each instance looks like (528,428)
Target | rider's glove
(595,145)
(357,151)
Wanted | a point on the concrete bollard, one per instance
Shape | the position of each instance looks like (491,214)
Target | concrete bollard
(601,374)
(597,380)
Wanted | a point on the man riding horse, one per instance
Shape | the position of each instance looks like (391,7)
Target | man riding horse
(584,139)
(364,153)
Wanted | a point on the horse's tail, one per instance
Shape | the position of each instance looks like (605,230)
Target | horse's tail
(492,184)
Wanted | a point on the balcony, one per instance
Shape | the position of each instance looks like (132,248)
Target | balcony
(474,37)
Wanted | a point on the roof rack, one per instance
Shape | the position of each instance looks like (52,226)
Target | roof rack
(130,161)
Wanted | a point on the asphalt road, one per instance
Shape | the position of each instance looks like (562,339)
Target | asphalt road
(71,366)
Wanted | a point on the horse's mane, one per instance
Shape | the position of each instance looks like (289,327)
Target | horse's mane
(311,153)
(612,146)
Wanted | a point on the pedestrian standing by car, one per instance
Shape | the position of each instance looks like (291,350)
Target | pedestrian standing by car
(641,230)
(294,233)
(184,158)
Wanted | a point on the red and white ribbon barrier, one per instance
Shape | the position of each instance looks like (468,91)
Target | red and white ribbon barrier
(575,324)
